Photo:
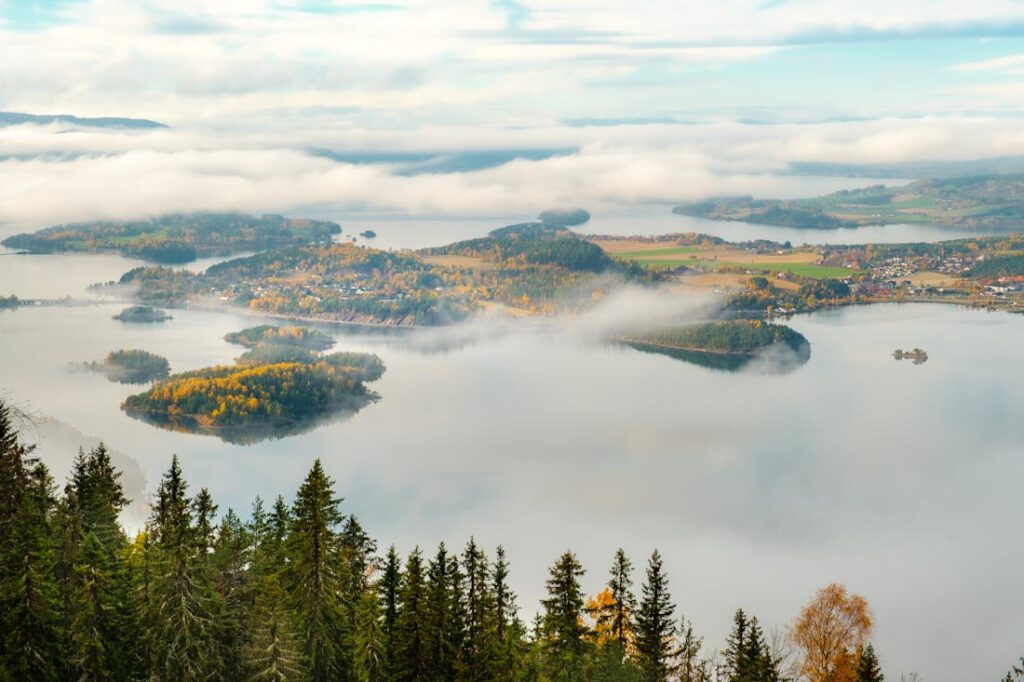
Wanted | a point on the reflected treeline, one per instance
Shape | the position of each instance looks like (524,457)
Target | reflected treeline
(777,359)
(250,434)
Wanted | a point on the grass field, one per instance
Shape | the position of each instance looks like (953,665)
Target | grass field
(799,269)
(452,261)
(668,251)
(799,262)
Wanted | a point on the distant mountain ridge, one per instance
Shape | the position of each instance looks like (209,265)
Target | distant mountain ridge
(13,118)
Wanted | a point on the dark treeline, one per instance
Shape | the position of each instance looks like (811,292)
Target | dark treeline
(301,592)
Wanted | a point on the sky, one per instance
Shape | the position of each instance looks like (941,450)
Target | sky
(323,105)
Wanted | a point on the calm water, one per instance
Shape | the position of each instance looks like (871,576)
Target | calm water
(399,232)
(414,232)
(901,481)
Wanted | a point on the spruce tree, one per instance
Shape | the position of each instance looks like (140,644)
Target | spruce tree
(269,556)
(369,640)
(101,497)
(763,666)
(478,613)
(180,618)
(258,525)
(388,592)
(748,657)
(14,473)
(314,584)
(69,529)
(508,630)
(139,562)
(204,511)
(442,621)
(411,630)
(357,557)
(232,593)
(655,624)
(737,647)
(690,666)
(868,668)
(616,617)
(32,637)
(273,652)
(94,620)
(564,645)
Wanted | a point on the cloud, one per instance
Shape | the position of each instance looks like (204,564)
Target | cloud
(995,64)
(421,61)
(120,174)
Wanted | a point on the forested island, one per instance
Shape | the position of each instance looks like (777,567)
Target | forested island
(567,217)
(301,591)
(132,366)
(9,302)
(270,335)
(142,314)
(725,344)
(177,237)
(274,390)
(535,267)
(988,202)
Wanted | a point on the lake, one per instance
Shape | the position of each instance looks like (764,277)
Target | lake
(901,481)
(648,220)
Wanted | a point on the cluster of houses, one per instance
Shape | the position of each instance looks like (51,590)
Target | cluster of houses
(1003,288)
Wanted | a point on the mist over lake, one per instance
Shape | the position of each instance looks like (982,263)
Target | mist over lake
(898,480)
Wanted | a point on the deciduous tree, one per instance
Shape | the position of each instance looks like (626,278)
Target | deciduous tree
(829,633)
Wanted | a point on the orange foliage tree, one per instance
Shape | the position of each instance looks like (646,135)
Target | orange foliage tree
(830,633)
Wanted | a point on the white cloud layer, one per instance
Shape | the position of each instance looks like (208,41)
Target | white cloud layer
(54,174)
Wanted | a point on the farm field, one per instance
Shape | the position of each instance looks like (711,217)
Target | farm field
(802,263)
(976,202)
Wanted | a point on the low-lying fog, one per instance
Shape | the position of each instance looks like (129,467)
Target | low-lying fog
(901,481)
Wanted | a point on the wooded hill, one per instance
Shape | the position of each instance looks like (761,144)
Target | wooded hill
(177,237)
(990,202)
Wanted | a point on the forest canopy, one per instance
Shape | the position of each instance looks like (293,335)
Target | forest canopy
(132,366)
(264,395)
(741,337)
(568,217)
(142,314)
(177,237)
(266,334)
(530,266)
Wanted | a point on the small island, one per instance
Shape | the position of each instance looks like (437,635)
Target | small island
(566,217)
(131,366)
(367,234)
(728,345)
(271,335)
(274,390)
(9,302)
(917,355)
(281,386)
(142,314)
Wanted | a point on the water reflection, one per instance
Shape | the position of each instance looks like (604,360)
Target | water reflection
(777,359)
(250,434)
